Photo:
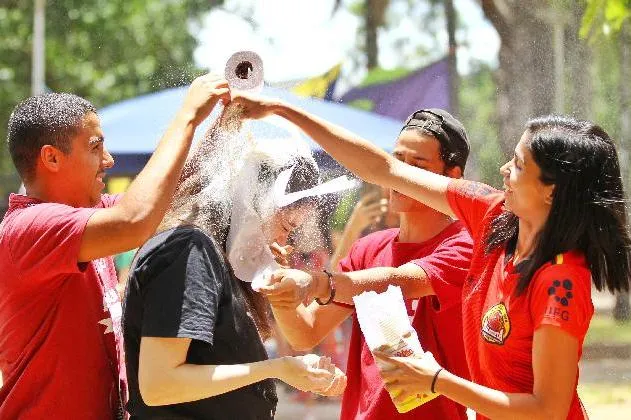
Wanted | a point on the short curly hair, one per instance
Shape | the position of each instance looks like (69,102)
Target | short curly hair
(51,118)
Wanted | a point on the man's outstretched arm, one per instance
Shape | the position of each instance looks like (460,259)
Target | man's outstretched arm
(288,287)
(306,326)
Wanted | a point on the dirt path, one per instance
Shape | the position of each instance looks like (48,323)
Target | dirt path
(605,390)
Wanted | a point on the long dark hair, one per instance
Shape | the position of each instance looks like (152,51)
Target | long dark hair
(214,216)
(588,211)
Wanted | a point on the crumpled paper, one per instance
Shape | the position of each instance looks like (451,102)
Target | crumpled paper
(384,321)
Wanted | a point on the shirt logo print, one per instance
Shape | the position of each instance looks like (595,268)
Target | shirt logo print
(496,324)
(111,303)
(563,294)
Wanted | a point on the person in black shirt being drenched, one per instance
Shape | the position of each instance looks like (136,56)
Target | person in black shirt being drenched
(194,331)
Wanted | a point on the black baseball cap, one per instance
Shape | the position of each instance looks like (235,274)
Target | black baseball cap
(448,131)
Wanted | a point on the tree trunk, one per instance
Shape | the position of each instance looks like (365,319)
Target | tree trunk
(372,26)
(454,80)
(579,64)
(525,78)
(622,308)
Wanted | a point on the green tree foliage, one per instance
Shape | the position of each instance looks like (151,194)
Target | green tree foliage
(418,44)
(103,50)
(605,16)
(380,75)
(372,13)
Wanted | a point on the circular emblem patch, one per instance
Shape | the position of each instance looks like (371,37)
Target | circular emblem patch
(496,324)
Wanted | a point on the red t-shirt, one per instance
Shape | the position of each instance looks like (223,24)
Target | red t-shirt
(60,331)
(436,319)
(498,325)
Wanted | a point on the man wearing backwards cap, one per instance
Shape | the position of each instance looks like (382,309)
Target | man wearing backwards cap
(428,257)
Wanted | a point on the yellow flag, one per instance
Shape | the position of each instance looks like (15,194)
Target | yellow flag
(320,86)
(117,185)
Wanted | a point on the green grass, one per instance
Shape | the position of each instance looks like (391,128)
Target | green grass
(603,329)
(595,394)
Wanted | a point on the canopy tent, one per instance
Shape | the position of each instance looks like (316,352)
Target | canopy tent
(133,127)
(427,87)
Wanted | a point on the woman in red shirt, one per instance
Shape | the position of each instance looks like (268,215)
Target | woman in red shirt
(559,225)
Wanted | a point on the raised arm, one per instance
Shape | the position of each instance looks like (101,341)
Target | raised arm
(135,217)
(363,158)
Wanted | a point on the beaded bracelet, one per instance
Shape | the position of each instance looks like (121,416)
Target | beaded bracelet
(331,287)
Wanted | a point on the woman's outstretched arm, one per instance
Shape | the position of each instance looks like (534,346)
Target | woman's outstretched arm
(360,156)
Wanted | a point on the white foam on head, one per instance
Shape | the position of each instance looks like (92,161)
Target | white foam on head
(254,205)
(235,200)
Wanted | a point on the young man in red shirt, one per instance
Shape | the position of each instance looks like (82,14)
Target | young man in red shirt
(428,257)
(60,332)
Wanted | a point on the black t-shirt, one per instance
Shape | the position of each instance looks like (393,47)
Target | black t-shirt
(180,285)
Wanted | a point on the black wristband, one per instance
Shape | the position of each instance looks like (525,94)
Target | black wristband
(331,287)
(434,380)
